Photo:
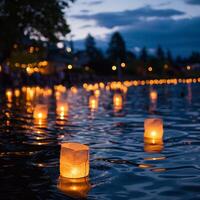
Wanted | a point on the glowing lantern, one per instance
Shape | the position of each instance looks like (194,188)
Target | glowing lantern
(75,188)
(9,95)
(17,93)
(97,93)
(153,95)
(93,103)
(74,160)
(153,128)
(40,113)
(61,109)
(74,90)
(117,102)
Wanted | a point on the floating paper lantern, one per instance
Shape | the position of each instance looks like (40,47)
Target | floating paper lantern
(9,95)
(117,102)
(40,114)
(75,188)
(74,160)
(153,128)
(153,95)
(97,93)
(93,103)
(62,109)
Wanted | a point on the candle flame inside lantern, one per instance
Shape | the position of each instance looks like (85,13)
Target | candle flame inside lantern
(75,188)
(153,129)
(117,102)
(93,103)
(74,160)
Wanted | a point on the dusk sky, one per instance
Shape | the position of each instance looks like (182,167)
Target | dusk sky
(174,24)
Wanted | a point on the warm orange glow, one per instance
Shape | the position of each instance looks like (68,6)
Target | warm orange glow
(75,188)
(153,128)
(74,90)
(74,160)
(153,95)
(17,92)
(93,103)
(62,109)
(117,102)
(9,95)
(40,112)
(97,93)
(151,145)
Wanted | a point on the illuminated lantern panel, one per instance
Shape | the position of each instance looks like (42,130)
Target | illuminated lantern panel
(9,95)
(153,95)
(40,112)
(75,188)
(93,103)
(97,93)
(117,102)
(153,129)
(62,109)
(74,160)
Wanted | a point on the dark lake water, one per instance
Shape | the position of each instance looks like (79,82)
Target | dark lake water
(121,166)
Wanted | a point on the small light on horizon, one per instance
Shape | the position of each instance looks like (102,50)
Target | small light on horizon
(188,68)
(150,69)
(60,45)
(69,66)
(114,68)
(69,50)
(123,64)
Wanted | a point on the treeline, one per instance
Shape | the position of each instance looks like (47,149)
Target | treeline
(127,62)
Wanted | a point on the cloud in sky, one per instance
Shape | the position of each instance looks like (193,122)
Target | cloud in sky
(181,36)
(193,2)
(93,2)
(147,26)
(111,19)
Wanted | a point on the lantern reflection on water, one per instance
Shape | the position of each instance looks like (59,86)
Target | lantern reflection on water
(75,188)
(93,103)
(40,114)
(74,160)
(117,102)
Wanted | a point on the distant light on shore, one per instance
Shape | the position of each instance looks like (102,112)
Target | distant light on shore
(114,68)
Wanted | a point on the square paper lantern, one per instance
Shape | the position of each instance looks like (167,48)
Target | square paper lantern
(61,109)
(76,188)
(93,103)
(153,129)
(40,112)
(74,160)
(117,102)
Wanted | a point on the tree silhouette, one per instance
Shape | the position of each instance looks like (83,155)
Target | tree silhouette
(35,19)
(144,54)
(94,54)
(117,48)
